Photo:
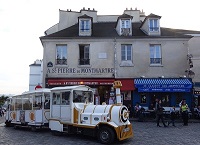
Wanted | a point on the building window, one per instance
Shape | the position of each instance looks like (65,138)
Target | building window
(84,55)
(155,54)
(153,25)
(125,24)
(126,52)
(85,25)
(61,54)
(125,27)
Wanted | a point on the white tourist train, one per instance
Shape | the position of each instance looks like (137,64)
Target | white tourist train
(72,110)
(30,109)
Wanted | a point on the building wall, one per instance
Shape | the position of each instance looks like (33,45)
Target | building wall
(101,57)
(194,49)
(174,59)
(35,76)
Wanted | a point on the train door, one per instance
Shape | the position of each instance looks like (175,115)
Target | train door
(61,106)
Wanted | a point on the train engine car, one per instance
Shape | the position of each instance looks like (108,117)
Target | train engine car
(73,111)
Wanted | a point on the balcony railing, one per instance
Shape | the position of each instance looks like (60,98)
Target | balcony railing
(84,61)
(61,61)
(155,60)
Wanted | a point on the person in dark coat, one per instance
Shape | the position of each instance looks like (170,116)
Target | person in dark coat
(159,114)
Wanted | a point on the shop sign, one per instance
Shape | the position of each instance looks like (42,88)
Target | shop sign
(163,90)
(66,70)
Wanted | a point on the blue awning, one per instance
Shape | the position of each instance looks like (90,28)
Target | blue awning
(163,85)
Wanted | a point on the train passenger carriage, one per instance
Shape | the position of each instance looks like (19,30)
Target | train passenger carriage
(30,109)
(73,111)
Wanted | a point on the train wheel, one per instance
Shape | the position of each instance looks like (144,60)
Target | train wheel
(33,128)
(106,135)
(16,127)
(8,124)
(56,133)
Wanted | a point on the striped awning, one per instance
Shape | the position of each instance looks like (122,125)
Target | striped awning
(163,85)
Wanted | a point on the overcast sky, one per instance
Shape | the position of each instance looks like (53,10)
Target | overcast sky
(22,22)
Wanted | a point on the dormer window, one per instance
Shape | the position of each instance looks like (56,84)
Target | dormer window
(153,25)
(85,25)
(124,25)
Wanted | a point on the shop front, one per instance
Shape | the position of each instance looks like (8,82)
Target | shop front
(127,90)
(103,88)
(170,90)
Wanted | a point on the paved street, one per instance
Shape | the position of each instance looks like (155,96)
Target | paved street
(145,133)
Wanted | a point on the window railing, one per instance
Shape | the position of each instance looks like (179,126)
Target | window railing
(155,60)
(61,61)
(153,28)
(84,61)
(125,31)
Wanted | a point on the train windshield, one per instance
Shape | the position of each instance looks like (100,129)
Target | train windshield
(82,96)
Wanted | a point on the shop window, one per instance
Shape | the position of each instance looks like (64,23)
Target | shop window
(127,95)
(165,100)
(143,99)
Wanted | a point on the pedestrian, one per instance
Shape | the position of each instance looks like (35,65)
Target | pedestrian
(137,110)
(172,116)
(159,114)
(130,111)
(184,112)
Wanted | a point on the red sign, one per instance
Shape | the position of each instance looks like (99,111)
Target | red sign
(38,87)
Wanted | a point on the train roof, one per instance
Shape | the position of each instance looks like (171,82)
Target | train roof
(69,87)
(40,90)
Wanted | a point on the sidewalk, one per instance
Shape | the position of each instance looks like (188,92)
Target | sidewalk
(166,119)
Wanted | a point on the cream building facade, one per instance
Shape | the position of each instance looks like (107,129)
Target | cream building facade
(86,48)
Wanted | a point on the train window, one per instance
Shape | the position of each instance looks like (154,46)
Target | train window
(37,101)
(82,96)
(78,96)
(65,98)
(47,101)
(56,99)
(27,105)
(18,103)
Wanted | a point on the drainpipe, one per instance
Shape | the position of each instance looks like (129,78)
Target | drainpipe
(115,58)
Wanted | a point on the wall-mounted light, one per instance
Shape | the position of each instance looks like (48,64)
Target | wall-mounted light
(142,76)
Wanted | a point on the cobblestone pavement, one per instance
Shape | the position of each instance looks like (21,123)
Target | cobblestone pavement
(145,133)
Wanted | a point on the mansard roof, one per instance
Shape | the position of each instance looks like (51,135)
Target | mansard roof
(107,30)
